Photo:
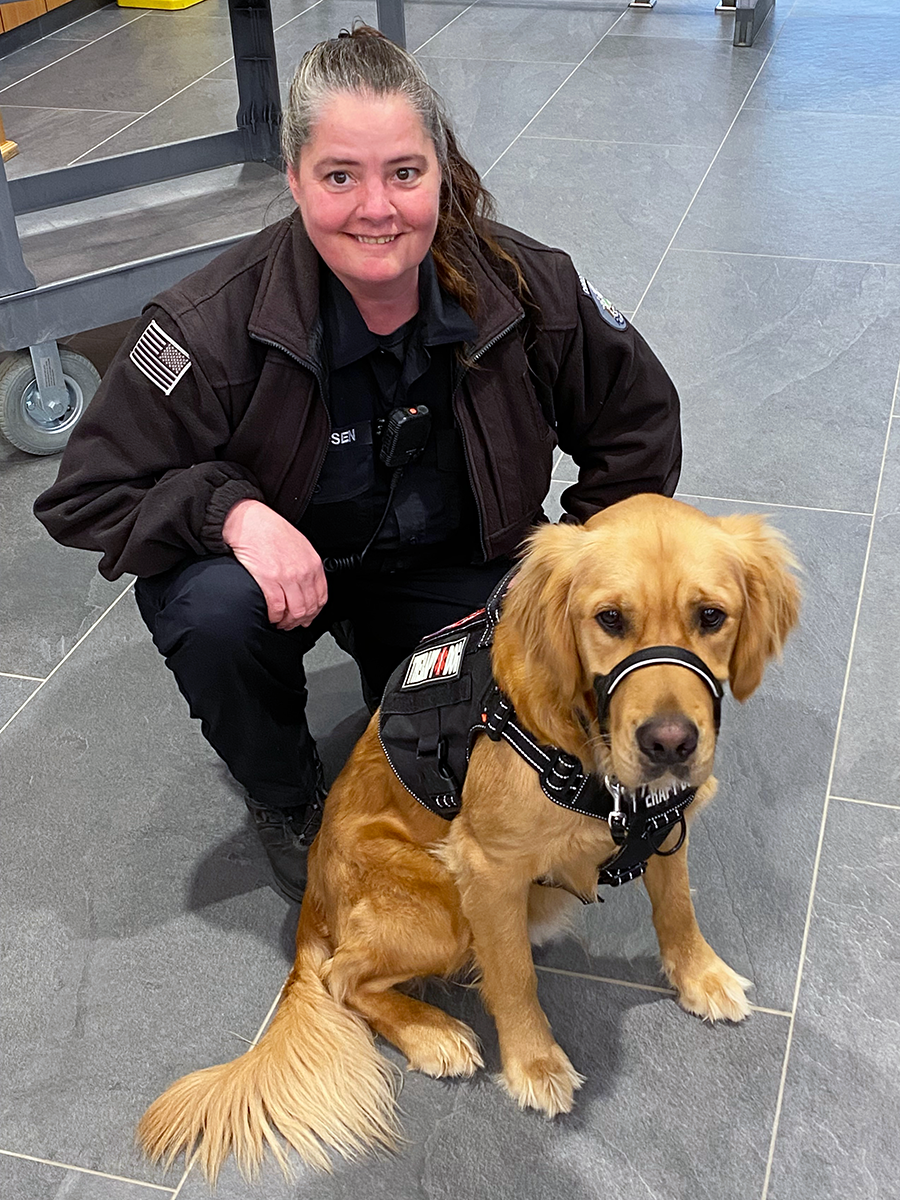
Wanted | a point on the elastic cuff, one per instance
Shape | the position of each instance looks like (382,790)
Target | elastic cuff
(221,503)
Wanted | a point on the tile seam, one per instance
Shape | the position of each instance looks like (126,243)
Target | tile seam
(553,95)
(180,91)
(868,803)
(418,49)
(823,112)
(112,112)
(549,137)
(50,1162)
(708,169)
(67,656)
(850,262)
(841,512)
(62,57)
(825,808)
(520,62)
(644,987)
(265,1021)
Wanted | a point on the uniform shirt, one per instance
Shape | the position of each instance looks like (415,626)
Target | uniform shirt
(368,375)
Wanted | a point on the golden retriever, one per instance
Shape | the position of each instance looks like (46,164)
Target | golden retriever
(397,893)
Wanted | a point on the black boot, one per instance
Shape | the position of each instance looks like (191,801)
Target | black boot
(286,835)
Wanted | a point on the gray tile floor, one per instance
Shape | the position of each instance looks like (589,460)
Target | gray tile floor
(744,205)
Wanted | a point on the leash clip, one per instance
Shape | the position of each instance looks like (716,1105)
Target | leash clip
(618,818)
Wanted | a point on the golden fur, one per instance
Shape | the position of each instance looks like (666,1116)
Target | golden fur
(396,893)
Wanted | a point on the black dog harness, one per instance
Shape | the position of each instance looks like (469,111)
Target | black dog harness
(444,695)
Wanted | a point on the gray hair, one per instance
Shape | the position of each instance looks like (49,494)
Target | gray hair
(361,62)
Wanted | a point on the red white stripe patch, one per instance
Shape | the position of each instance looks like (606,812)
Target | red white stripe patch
(436,663)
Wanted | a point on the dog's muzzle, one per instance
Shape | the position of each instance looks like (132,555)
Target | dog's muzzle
(655,656)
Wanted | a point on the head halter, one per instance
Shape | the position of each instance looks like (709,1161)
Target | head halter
(656,656)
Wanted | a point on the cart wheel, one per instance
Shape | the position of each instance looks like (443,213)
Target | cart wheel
(21,420)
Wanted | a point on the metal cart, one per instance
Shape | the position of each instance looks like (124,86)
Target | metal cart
(45,390)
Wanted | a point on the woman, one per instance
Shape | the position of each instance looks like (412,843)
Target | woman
(258,456)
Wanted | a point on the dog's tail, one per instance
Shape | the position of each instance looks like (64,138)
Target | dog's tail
(314,1078)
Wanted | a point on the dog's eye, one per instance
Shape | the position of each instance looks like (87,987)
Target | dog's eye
(612,621)
(712,619)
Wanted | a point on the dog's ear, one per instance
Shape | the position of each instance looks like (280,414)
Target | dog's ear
(771,598)
(536,658)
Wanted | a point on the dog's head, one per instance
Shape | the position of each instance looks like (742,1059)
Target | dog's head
(646,572)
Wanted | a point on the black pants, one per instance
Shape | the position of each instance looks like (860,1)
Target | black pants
(244,679)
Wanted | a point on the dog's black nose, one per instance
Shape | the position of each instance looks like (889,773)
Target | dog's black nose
(666,741)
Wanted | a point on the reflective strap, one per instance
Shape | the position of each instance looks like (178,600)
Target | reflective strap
(655,656)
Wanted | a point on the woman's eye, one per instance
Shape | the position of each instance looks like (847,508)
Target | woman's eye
(407,174)
(712,619)
(339,177)
(612,621)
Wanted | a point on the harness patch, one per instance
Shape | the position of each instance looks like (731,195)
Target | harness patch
(605,308)
(160,358)
(435,664)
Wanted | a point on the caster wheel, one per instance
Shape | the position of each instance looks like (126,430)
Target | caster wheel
(21,420)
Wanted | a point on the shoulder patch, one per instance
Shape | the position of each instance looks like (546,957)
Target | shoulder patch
(435,664)
(605,308)
(160,358)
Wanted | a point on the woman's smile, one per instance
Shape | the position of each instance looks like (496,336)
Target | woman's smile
(368,187)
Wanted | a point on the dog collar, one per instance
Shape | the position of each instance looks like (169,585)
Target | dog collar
(655,656)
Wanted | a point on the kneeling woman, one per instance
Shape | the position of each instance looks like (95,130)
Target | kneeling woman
(258,454)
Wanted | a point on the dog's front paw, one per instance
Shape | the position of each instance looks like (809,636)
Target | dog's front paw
(547,1083)
(449,1050)
(713,992)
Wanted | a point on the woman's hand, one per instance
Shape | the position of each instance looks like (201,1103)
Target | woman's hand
(281,560)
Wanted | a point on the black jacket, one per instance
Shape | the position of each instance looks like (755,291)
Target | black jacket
(149,477)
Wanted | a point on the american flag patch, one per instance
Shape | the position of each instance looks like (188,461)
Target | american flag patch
(435,664)
(160,358)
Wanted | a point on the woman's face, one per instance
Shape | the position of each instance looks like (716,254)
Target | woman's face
(368,187)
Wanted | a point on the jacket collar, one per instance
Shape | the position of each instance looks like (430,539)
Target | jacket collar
(442,320)
(286,310)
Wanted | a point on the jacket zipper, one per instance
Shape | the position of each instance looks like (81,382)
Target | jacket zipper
(320,378)
(475,357)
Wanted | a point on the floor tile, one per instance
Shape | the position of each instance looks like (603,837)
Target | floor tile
(208,106)
(661,90)
(837,1135)
(53,137)
(426,19)
(867,765)
(555,190)
(51,595)
(24,1179)
(13,694)
(141,935)
(757,839)
(774,188)
(490,103)
(835,64)
(767,354)
(95,24)
(136,67)
(29,59)
(647,1065)
(526,34)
